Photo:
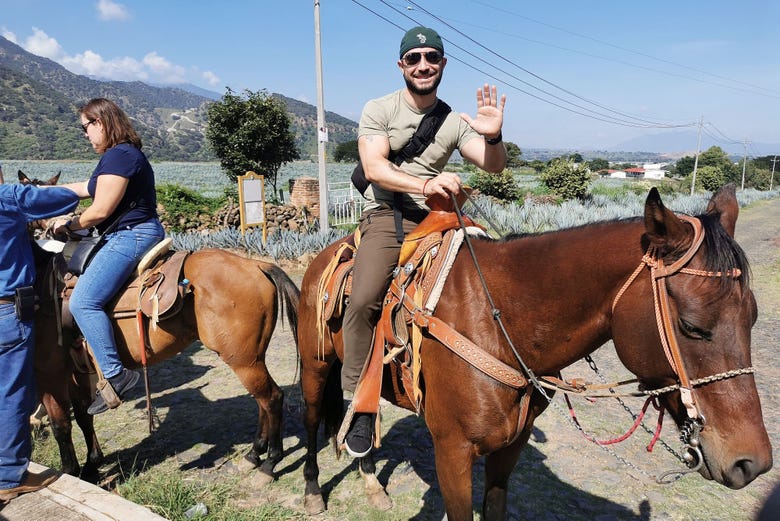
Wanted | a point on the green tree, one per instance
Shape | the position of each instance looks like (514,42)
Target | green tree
(710,178)
(576,157)
(755,176)
(597,164)
(251,132)
(513,154)
(683,167)
(713,156)
(347,151)
(566,178)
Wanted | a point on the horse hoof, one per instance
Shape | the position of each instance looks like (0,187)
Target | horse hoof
(313,504)
(380,500)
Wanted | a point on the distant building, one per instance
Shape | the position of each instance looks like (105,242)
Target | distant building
(655,170)
(647,171)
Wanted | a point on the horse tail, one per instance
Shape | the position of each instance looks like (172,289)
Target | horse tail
(288,294)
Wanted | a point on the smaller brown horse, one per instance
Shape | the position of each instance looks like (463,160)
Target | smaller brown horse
(549,300)
(232,310)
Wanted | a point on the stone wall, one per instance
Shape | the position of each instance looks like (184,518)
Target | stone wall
(299,214)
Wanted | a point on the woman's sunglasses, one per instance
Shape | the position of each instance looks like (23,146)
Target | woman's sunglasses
(86,125)
(413,58)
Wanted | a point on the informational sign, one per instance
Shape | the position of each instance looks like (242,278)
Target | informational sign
(251,201)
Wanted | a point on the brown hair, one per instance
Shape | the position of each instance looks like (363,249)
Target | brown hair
(116,124)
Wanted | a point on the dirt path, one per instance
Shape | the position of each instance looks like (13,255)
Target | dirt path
(206,417)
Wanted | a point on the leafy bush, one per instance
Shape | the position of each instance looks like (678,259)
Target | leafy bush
(710,178)
(566,178)
(502,185)
(179,202)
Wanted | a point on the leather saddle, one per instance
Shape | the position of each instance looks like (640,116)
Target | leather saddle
(155,290)
(424,262)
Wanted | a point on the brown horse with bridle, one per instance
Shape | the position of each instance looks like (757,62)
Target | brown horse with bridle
(671,291)
(232,304)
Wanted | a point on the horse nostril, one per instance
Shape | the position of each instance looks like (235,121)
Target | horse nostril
(742,473)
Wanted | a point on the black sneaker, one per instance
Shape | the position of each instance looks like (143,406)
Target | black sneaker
(122,383)
(360,437)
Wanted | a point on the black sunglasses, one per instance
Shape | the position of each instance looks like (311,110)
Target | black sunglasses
(413,58)
(86,125)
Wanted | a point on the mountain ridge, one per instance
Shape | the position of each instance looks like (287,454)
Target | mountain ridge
(170,119)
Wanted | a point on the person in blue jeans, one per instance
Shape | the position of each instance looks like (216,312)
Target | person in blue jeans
(122,191)
(20,204)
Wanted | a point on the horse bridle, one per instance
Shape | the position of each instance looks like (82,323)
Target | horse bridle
(659,272)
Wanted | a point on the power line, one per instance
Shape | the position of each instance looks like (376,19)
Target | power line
(584,111)
(613,60)
(650,123)
(723,137)
(767,92)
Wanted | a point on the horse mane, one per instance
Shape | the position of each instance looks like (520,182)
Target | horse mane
(515,236)
(723,252)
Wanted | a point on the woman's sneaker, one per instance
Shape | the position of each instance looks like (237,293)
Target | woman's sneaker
(360,437)
(121,383)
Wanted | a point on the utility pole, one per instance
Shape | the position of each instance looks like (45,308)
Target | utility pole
(322,130)
(698,150)
(772,177)
(744,163)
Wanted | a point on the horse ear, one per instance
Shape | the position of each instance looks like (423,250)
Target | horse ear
(23,178)
(664,229)
(725,207)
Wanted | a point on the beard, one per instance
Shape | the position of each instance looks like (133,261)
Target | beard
(422,92)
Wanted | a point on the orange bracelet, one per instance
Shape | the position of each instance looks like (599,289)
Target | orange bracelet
(424,185)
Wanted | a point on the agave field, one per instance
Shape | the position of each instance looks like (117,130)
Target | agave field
(205,178)
(500,219)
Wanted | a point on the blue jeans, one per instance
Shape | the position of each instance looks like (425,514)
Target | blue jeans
(17,396)
(106,274)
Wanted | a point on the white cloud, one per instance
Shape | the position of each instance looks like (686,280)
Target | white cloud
(92,64)
(108,10)
(8,35)
(163,70)
(41,44)
(152,68)
(211,78)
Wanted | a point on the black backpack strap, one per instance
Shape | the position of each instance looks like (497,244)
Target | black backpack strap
(425,133)
(423,136)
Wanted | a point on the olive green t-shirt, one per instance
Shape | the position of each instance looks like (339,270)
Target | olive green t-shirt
(392,116)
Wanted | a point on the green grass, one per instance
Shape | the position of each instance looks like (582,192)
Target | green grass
(170,493)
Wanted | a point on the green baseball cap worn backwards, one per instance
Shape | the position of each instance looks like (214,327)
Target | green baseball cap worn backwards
(421,37)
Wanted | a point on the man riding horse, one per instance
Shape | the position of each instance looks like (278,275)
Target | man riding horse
(397,192)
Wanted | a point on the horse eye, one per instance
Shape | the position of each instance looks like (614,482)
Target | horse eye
(694,332)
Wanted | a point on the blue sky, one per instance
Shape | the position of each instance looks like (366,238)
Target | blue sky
(577,74)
